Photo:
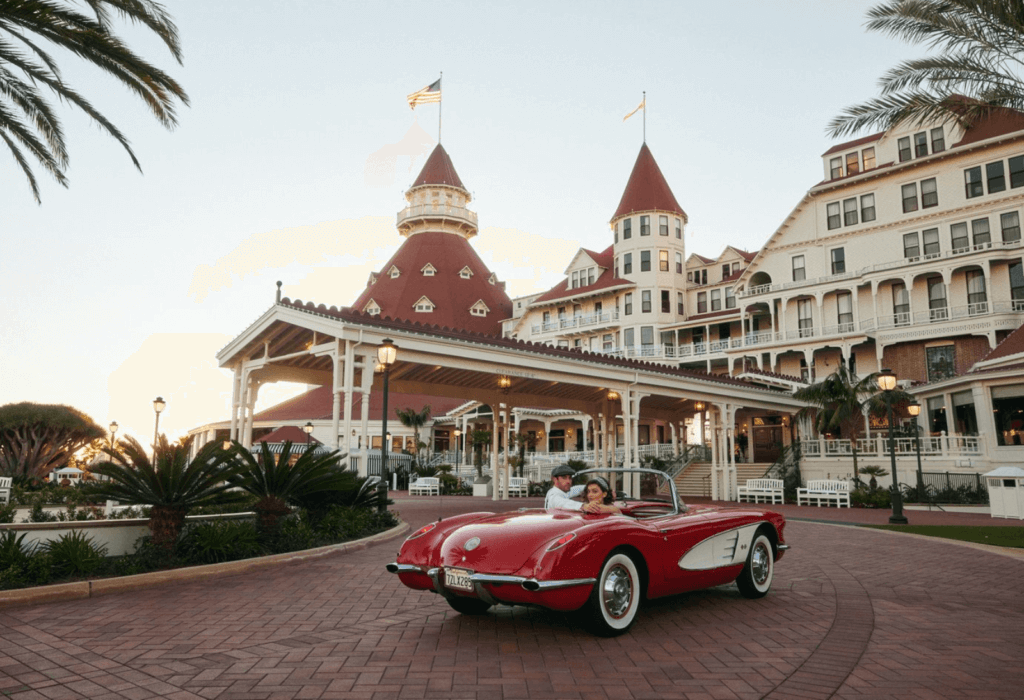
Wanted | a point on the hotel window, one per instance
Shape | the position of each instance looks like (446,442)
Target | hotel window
(616,232)
(904,146)
(929,193)
(920,145)
(1017,171)
(832,211)
(937,299)
(679,228)
(1007,407)
(627,337)
(931,241)
(995,174)
(465,273)
(900,304)
(598,308)
(663,260)
(844,305)
(852,166)
(627,229)
(428,270)
(577,310)
(716,299)
(627,264)
(646,336)
(725,271)
(911,245)
(804,321)
(680,308)
(972,182)
(627,309)
(616,272)
(958,234)
(938,142)
(1017,285)
(663,225)
(666,302)
(1010,223)
(850,211)
(679,263)
(702,302)
(867,208)
(424,306)
(976,296)
(394,272)
(910,197)
(798,268)
(702,276)
(941,364)
(838,261)
(645,226)
(607,341)
(575,280)
(730,298)
(591,275)
(980,231)
(868,156)
(645,261)
(547,317)
(836,168)
(645,301)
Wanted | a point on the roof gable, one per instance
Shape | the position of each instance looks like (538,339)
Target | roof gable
(438,170)
(647,189)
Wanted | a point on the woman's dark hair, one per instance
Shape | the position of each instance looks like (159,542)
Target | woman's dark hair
(603,485)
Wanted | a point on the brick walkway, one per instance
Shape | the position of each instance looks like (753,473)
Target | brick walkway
(854,613)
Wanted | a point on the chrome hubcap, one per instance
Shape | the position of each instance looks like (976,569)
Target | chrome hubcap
(759,564)
(618,591)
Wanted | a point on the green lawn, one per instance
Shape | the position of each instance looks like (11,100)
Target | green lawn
(985,534)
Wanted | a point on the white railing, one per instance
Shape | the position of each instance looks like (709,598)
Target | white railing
(877,447)
(436,210)
(578,321)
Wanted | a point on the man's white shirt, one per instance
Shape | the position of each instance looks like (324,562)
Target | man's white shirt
(557,498)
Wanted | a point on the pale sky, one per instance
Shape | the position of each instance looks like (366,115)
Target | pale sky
(290,165)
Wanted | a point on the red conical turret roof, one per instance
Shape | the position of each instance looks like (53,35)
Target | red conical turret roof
(647,189)
(438,170)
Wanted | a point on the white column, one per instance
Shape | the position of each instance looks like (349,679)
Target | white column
(466,445)
(715,465)
(236,384)
(349,379)
(337,380)
(731,449)
(627,435)
(366,385)
(547,435)
(495,418)
(675,440)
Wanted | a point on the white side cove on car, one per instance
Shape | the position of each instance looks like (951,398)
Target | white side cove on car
(724,549)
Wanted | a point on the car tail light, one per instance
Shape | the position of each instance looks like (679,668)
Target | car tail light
(562,541)
(422,531)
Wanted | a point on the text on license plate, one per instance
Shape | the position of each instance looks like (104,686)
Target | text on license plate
(458,579)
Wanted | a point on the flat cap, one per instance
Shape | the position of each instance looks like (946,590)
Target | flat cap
(562,470)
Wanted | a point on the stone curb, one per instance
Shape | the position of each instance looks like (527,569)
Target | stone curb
(121,584)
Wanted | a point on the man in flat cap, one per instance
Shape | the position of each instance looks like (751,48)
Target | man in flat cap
(560,495)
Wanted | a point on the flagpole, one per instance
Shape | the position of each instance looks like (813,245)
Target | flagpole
(439,101)
(645,116)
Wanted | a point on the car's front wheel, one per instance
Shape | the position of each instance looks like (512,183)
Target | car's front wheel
(756,578)
(615,600)
(469,606)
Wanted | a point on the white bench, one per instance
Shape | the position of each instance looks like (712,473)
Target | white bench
(5,489)
(519,486)
(425,486)
(754,490)
(824,492)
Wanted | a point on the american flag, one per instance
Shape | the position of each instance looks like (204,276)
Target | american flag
(431,93)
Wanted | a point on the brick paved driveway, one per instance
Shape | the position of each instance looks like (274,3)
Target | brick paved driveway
(854,613)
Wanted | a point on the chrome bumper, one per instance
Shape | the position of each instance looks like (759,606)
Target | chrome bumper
(530,584)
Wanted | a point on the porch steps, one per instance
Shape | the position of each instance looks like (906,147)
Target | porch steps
(695,479)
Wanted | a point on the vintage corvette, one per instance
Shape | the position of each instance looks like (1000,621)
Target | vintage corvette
(603,565)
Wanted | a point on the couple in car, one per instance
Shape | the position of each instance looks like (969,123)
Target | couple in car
(597,495)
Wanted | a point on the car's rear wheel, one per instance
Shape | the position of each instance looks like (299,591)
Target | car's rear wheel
(469,606)
(756,578)
(615,600)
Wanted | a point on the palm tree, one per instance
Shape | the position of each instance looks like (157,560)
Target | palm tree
(171,483)
(411,418)
(479,438)
(837,402)
(279,484)
(27,119)
(978,68)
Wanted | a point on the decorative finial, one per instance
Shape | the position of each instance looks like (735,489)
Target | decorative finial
(279,291)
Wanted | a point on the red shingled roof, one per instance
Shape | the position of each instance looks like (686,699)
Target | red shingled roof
(561,290)
(438,170)
(318,404)
(606,258)
(647,189)
(288,433)
(998,122)
(853,144)
(452,296)
(1012,344)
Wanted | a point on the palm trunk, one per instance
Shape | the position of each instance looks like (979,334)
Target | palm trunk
(269,511)
(165,523)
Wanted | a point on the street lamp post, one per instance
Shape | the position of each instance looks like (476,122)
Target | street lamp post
(458,434)
(387,353)
(113,433)
(308,430)
(158,407)
(887,382)
(914,410)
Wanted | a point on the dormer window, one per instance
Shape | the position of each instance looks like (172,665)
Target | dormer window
(465,273)
(393,273)
(372,280)
(493,279)
(428,270)
(371,308)
(479,308)
(424,306)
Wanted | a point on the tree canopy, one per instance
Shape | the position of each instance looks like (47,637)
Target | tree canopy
(977,68)
(31,29)
(38,438)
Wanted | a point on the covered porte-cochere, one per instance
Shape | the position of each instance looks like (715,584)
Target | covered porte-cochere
(321,346)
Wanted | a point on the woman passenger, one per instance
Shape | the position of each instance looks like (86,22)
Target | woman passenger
(598,491)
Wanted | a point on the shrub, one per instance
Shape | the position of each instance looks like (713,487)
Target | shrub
(341,524)
(292,534)
(38,515)
(74,554)
(878,498)
(217,541)
(35,571)
(13,550)
(8,512)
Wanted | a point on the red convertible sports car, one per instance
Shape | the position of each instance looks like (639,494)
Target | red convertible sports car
(603,565)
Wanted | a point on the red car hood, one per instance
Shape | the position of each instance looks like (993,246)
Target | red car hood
(507,539)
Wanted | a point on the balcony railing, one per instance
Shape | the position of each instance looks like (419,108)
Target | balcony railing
(578,321)
(417,211)
(877,447)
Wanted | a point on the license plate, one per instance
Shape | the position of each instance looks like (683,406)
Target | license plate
(458,579)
